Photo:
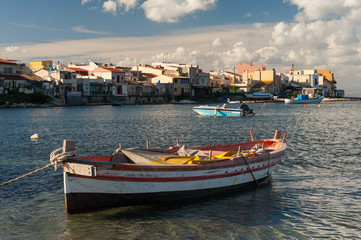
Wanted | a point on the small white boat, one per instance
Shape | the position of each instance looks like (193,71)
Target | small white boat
(259,96)
(154,176)
(184,101)
(224,110)
(304,99)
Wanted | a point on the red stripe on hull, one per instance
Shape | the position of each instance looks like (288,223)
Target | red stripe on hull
(175,179)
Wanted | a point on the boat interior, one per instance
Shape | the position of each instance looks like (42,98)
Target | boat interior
(183,155)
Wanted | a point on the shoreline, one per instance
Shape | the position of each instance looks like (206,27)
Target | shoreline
(278,100)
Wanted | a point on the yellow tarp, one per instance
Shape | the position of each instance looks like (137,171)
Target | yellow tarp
(248,154)
(174,160)
(226,155)
(198,159)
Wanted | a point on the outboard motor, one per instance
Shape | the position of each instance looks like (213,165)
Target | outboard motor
(246,110)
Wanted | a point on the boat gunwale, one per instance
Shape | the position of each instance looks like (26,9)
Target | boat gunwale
(232,162)
(177,179)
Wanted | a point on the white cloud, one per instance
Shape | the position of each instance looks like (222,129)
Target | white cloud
(84,30)
(158,10)
(171,10)
(326,36)
(247,15)
(110,6)
(319,9)
(85,1)
(217,43)
(12,49)
(34,26)
(127,4)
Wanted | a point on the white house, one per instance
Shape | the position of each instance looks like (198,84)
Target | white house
(113,76)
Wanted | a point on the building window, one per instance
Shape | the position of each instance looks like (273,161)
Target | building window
(8,70)
(118,79)
(175,80)
(175,89)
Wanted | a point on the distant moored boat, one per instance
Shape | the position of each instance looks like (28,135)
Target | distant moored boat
(304,99)
(259,96)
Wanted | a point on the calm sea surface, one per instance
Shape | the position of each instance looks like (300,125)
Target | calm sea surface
(314,193)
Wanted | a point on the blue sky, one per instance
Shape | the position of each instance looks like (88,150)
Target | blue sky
(216,34)
(37,21)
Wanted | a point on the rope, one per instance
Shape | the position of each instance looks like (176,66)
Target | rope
(54,160)
(250,170)
(26,175)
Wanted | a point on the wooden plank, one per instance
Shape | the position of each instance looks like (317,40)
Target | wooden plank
(69,145)
(80,169)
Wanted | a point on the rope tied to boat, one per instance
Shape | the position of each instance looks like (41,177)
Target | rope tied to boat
(55,159)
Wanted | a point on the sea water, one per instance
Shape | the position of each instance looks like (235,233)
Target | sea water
(314,193)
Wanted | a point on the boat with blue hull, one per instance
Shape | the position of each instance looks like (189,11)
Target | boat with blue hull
(303,99)
(259,96)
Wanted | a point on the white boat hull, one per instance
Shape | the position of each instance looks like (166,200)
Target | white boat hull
(149,184)
(217,111)
(259,96)
(306,101)
(127,178)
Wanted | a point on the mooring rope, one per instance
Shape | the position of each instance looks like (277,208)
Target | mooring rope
(54,160)
(250,170)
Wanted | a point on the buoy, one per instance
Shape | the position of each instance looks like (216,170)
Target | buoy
(34,137)
(132,119)
(56,108)
(305,106)
(300,116)
(319,105)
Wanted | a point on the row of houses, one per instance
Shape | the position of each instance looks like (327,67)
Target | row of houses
(158,82)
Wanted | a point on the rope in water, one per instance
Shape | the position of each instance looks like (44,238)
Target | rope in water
(54,161)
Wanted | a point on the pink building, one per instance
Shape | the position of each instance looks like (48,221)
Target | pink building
(250,68)
(115,77)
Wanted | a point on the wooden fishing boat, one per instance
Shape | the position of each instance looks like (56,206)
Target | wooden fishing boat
(152,176)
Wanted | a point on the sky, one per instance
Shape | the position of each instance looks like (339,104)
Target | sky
(215,34)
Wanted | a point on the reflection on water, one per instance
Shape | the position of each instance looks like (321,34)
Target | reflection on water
(227,216)
(315,192)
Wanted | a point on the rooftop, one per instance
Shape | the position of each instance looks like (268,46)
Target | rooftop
(6,61)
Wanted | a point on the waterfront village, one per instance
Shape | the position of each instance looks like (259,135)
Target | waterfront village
(164,82)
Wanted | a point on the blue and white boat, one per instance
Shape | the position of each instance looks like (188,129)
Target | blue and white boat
(304,99)
(205,110)
(259,96)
